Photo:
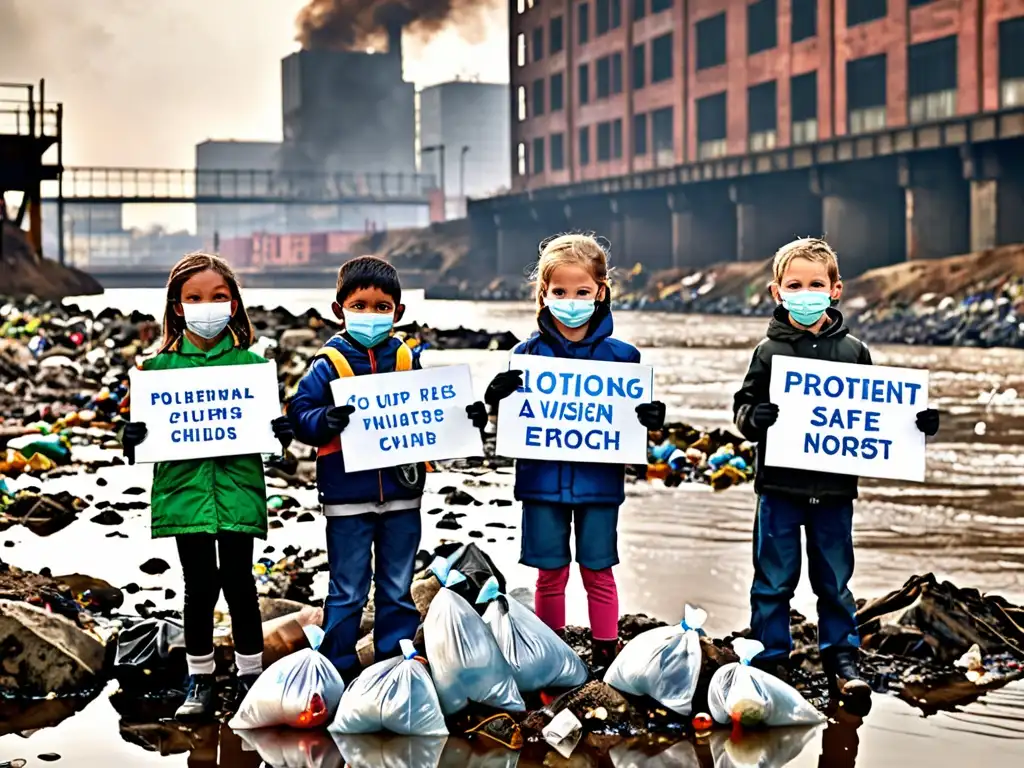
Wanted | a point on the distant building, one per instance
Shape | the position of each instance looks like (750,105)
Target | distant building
(93,232)
(466,114)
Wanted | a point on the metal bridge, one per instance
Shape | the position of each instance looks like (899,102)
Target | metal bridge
(238,187)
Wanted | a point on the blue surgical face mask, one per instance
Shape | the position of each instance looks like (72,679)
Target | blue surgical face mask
(571,313)
(368,328)
(806,307)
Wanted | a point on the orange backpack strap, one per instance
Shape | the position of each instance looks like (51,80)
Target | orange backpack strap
(403,358)
(341,365)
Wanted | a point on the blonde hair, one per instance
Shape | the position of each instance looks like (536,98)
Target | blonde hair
(579,249)
(811,248)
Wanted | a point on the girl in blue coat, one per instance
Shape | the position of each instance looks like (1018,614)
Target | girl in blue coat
(574,321)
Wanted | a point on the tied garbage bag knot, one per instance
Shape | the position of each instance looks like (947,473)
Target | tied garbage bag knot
(750,697)
(465,660)
(538,657)
(395,695)
(301,691)
(663,663)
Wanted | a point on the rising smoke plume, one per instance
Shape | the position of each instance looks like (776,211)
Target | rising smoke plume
(358,24)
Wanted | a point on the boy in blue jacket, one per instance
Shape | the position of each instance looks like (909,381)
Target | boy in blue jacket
(373,510)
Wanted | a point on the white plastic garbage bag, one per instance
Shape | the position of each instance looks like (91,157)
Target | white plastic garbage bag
(387,751)
(395,695)
(750,696)
(287,748)
(539,658)
(464,657)
(662,663)
(301,690)
(771,748)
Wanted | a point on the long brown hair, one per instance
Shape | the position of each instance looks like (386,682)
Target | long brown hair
(193,264)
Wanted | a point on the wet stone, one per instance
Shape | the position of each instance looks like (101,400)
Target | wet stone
(305,517)
(460,498)
(501,502)
(49,757)
(169,594)
(131,589)
(437,511)
(117,535)
(495,525)
(108,517)
(101,482)
(134,491)
(8,543)
(275,524)
(154,566)
(475,535)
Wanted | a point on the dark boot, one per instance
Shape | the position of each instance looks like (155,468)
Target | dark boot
(243,684)
(844,677)
(200,702)
(777,666)
(602,655)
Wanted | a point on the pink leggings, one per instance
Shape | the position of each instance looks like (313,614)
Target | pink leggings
(602,600)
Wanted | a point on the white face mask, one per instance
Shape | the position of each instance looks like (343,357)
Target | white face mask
(207,320)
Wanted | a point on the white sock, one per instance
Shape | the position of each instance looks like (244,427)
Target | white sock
(201,665)
(249,665)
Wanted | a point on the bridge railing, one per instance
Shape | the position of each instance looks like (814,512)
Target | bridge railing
(154,184)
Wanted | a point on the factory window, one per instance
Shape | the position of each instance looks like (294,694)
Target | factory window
(711,126)
(762,103)
(661,58)
(521,7)
(584,143)
(557,151)
(860,11)
(538,43)
(1011,62)
(616,73)
(639,9)
(538,96)
(521,164)
(609,15)
(583,23)
(640,135)
(556,97)
(711,42)
(617,138)
(663,137)
(639,66)
(657,6)
(603,70)
(556,35)
(915,3)
(804,20)
(866,94)
(521,50)
(762,21)
(584,81)
(521,99)
(931,85)
(803,101)
(604,142)
(529,3)
(538,155)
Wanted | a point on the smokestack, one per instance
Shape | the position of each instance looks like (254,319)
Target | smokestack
(395,39)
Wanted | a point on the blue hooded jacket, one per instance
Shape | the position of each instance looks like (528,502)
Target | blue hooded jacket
(308,413)
(564,482)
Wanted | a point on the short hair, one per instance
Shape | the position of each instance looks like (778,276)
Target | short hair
(577,248)
(368,272)
(811,248)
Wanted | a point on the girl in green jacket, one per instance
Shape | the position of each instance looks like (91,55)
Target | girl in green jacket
(212,507)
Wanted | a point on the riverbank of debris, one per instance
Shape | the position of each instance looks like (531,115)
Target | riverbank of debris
(26,274)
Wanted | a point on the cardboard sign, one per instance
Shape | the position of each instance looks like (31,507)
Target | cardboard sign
(202,413)
(575,410)
(407,417)
(847,419)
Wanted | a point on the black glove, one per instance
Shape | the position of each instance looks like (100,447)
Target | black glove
(928,422)
(134,434)
(503,385)
(763,415)
(283,431)
(477,413)
(338,417)
(651,415)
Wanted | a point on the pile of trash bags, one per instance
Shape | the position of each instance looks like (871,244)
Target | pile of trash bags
(681,454)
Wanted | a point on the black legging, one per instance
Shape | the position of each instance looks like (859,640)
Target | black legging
(203,583)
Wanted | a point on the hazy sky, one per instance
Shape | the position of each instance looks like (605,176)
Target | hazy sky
(143,81)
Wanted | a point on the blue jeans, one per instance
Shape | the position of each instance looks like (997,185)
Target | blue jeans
(547,530)
(394,537)
(777,556)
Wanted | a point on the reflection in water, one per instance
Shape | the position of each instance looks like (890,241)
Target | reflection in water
(637,755)
(288,748)
(378,751)
(771,748)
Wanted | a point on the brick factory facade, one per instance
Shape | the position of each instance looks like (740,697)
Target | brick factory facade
(607,88)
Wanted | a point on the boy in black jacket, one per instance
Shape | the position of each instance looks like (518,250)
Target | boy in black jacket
(806,284)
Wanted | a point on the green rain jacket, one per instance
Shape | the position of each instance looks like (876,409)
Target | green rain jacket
(208,495)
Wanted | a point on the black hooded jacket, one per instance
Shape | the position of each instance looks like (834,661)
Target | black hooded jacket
(835,344)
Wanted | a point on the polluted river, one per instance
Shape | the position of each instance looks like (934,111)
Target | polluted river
(679,545)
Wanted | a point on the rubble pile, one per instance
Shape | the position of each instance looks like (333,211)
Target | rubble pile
(682,454)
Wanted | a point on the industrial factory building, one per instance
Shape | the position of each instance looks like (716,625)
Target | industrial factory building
(470,121)
(696,131)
